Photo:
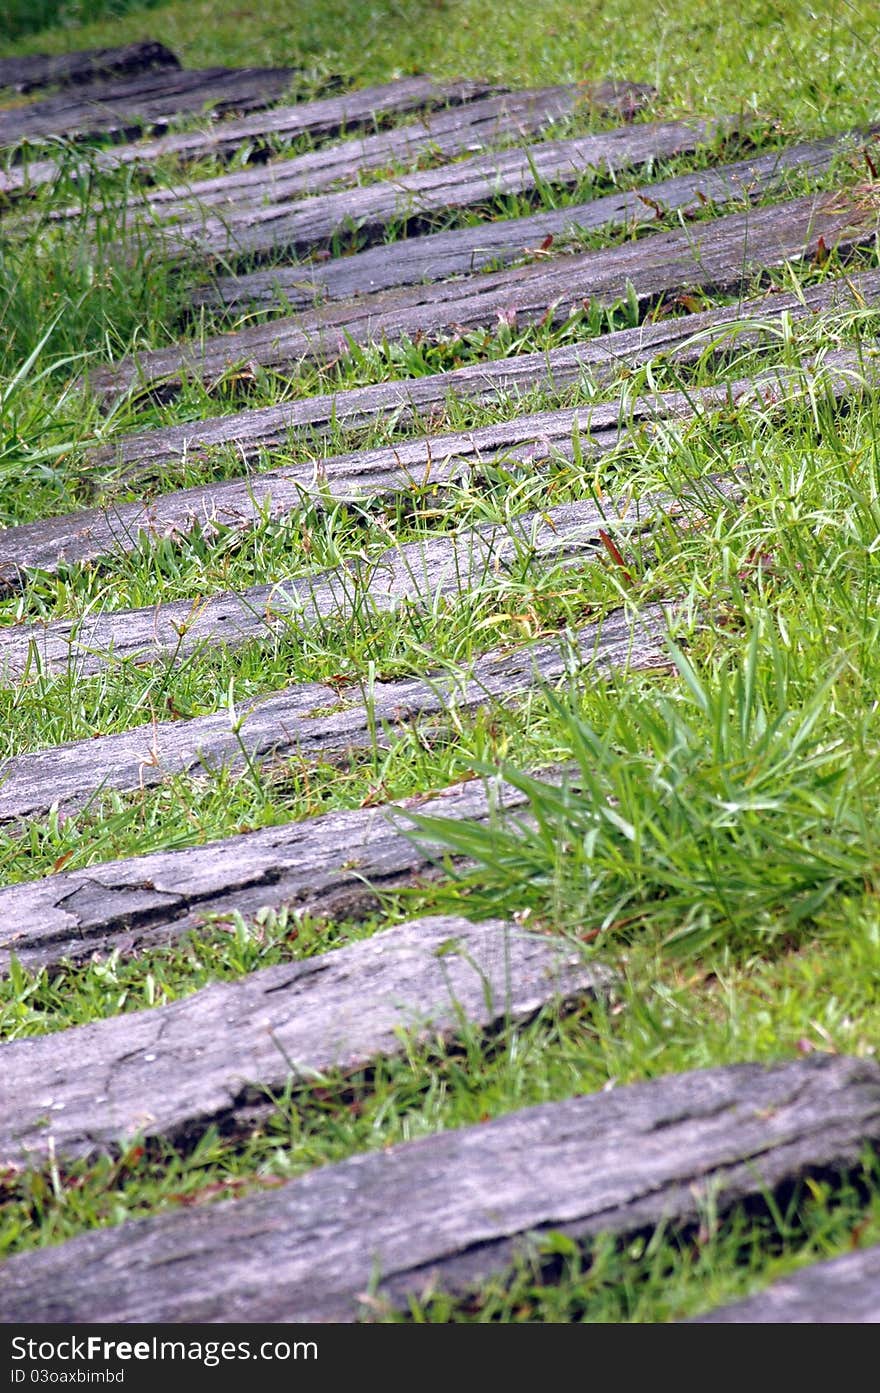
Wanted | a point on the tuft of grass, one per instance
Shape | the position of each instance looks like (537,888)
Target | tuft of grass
(729,809)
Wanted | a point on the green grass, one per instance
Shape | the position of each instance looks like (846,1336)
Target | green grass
(662,1017)
(714,841)
(671,1273)
(21,18)
(814,70)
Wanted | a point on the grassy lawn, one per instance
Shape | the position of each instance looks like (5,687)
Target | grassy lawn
(716,841)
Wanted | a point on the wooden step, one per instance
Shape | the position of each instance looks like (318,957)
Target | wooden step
(123,108)
(387,471)
(318,120)
(311,721)
(425,572)
(28,73)
(723,255)
(415,572)
(457,130)
(221,1056)
(464,250)
(256,231)
(336,865)
(452,1209)
(844,1291)
(681,340)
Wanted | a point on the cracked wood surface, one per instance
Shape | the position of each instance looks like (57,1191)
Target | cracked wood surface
(27,73)
(680,340)
(318,119)
(217,1057)
(455,131)
(313,222)
(720,255)
(311,721)
(474,559)
(453,1208)
(333,865)
(462,251)
(844,1291)
(122,108)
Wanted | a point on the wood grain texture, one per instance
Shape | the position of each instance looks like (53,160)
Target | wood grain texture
(127,106)
(311,721)
(464,250)
(720,255)
(475,559)
(29,73)
(309,223)
(457,130)
(451,1209)
(680,340)
(844,1291)
(318,120)
(333,865)
(217,1057)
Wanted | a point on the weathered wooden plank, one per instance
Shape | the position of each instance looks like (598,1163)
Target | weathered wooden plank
(314,721)
(334,865)
(350,111)
(104,533)
(452,1209)
(215,1058)
(437,461)
(680,340)
(455,131)
(721,255)
(844,1291)
(122,108)
(256,230)
(465,250)
(422,572)
(28,73)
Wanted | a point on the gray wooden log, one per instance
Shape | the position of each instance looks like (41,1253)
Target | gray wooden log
(437,461)
(311,721)
(219,1056)
(473,560)
(456,131)
(28,73)
(452,1209)
(721,255)
(334,865)
(309,223)
(351,111)
(680,340)
(123,108)
(465,250)
(844,1291)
